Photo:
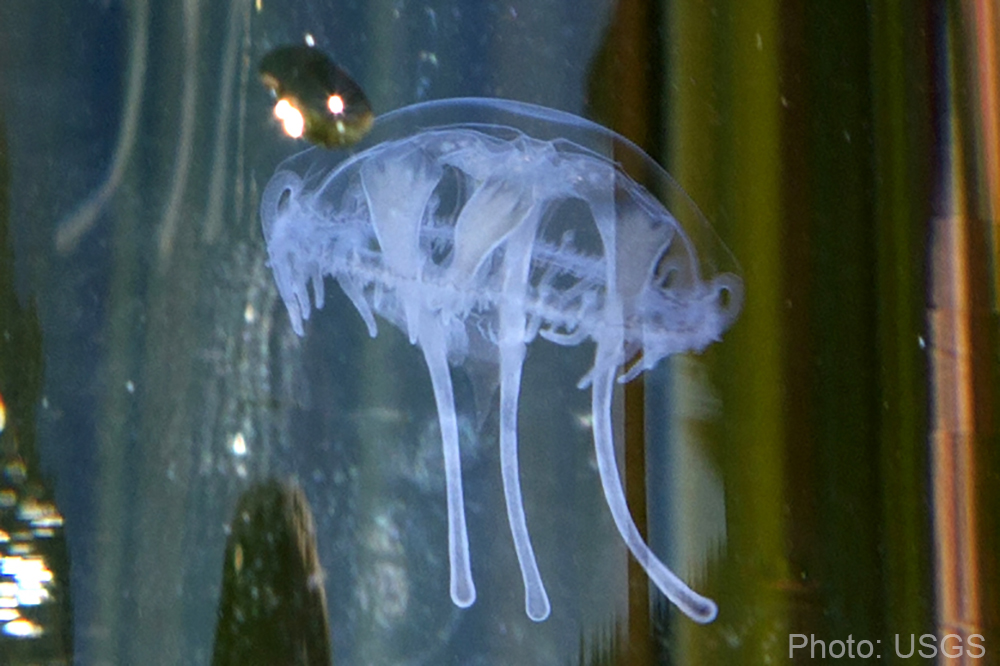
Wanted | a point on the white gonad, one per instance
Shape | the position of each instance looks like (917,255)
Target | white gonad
(479,224)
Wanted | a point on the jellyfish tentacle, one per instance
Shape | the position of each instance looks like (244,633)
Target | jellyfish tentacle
(536,600)
(695,606)
(432,342)
(512,342)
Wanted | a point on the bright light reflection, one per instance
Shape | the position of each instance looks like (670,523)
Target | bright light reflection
(239,444)
(39,514)
(291,118)
(23,629)
(336,104)
(8,595)
(30,576)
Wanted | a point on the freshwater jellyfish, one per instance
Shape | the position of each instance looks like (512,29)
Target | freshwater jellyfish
(475,225)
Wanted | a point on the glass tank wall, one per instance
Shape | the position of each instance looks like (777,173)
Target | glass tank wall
(186,480)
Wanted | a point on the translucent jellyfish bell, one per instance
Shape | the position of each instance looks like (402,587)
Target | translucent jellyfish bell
(475,225)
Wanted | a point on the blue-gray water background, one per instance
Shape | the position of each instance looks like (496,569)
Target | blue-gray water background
(829,468)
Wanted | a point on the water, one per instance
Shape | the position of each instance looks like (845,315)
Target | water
(824,472)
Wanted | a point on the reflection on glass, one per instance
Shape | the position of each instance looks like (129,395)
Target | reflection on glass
(35,612)
(34,621)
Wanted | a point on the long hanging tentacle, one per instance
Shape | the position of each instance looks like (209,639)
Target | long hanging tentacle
(698,608)
(536,600)
(513,321)
(463,590)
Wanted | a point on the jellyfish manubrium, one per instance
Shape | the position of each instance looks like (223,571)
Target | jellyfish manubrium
(475,225)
